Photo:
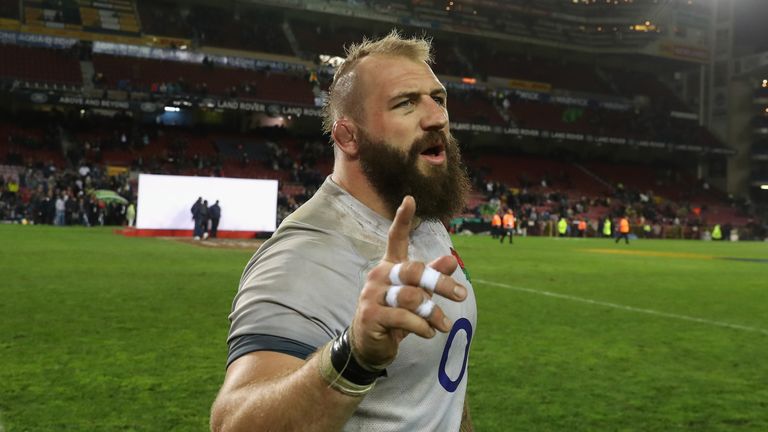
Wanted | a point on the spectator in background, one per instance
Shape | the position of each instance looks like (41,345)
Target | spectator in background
(607,230)
(197,217)
(496,226)
(214,212)
(130,214)
(12,187)
(582,228)
(60,207)
(623,230)
(717,233)
(509,226)
(83,209)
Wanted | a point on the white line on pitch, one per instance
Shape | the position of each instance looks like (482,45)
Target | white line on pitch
(627,308)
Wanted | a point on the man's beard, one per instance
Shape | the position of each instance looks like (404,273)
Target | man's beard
(394,174)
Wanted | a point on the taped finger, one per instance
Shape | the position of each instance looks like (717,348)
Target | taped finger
(394,274)
(429,278)
(425,309)
(390,298)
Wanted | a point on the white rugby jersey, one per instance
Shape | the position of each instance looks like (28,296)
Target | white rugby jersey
(301,288)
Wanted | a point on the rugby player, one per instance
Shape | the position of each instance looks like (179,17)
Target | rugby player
(357,315)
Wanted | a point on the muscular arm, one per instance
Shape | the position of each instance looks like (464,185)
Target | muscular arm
(271,391)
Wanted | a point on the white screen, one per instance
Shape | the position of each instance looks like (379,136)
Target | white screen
(246,205)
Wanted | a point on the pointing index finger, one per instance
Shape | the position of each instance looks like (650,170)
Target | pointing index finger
(399,231)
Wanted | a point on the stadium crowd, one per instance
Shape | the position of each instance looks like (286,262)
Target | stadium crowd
(33,191)
(539,213)
(127,142)
(45,194)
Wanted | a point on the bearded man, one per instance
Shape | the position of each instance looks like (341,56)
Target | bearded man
(356,315)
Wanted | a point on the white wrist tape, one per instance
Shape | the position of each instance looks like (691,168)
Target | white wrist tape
(391,297)
(429,279)
(425,309)
(394,274)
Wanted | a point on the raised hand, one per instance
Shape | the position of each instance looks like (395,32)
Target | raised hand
(397,297)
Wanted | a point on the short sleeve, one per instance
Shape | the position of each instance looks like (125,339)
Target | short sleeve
(302,286)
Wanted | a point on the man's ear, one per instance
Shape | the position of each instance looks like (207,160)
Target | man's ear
(343,134)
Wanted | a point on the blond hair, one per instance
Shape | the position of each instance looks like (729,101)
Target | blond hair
(342,98)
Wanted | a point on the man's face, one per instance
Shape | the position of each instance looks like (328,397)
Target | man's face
(404,139)
(440,192)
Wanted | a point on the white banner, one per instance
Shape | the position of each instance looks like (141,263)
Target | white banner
(165,202)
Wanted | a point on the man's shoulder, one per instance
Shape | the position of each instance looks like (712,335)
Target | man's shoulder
(306,232)
(323,227)
(301,237)
(322,210)
(308,248)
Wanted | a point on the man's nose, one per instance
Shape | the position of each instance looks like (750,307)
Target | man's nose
(435,117)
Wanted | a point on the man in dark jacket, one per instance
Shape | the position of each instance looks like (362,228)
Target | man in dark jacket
(214,212)
(197,216)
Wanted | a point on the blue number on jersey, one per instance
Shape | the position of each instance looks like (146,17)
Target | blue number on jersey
(445,381)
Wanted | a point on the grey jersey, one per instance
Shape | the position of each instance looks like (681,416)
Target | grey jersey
(301,288)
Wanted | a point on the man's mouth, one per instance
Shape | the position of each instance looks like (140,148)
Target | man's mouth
(434,155)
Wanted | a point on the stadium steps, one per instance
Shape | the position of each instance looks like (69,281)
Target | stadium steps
(67,141)
(291,37)
(463,59)
(87,71)
(502,111)
(594,176)
(39,65)
(607,80)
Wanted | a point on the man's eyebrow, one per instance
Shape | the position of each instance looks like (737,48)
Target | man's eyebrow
(410,94)
(439,91)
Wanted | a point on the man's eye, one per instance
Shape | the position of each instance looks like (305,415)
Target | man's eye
(439,99)
(405,103)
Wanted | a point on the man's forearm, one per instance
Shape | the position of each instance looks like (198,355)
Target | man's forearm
(300,400)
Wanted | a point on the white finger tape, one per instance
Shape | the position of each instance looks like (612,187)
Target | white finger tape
(425,309)
(391,297)
(429,278)
(394,274)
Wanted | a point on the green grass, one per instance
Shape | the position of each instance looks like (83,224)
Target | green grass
(101,332)
(552,363)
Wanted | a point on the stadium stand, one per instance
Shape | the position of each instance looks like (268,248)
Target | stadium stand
(559,74)
(39,64)
(449,60)
(242,29)
(540,182)
(539,187)
(632,84)
(9,9)
(54,14)
(157,76)
(164,18)
(474,107)
(315,38)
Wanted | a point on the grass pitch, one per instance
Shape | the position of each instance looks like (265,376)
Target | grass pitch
(101,332)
